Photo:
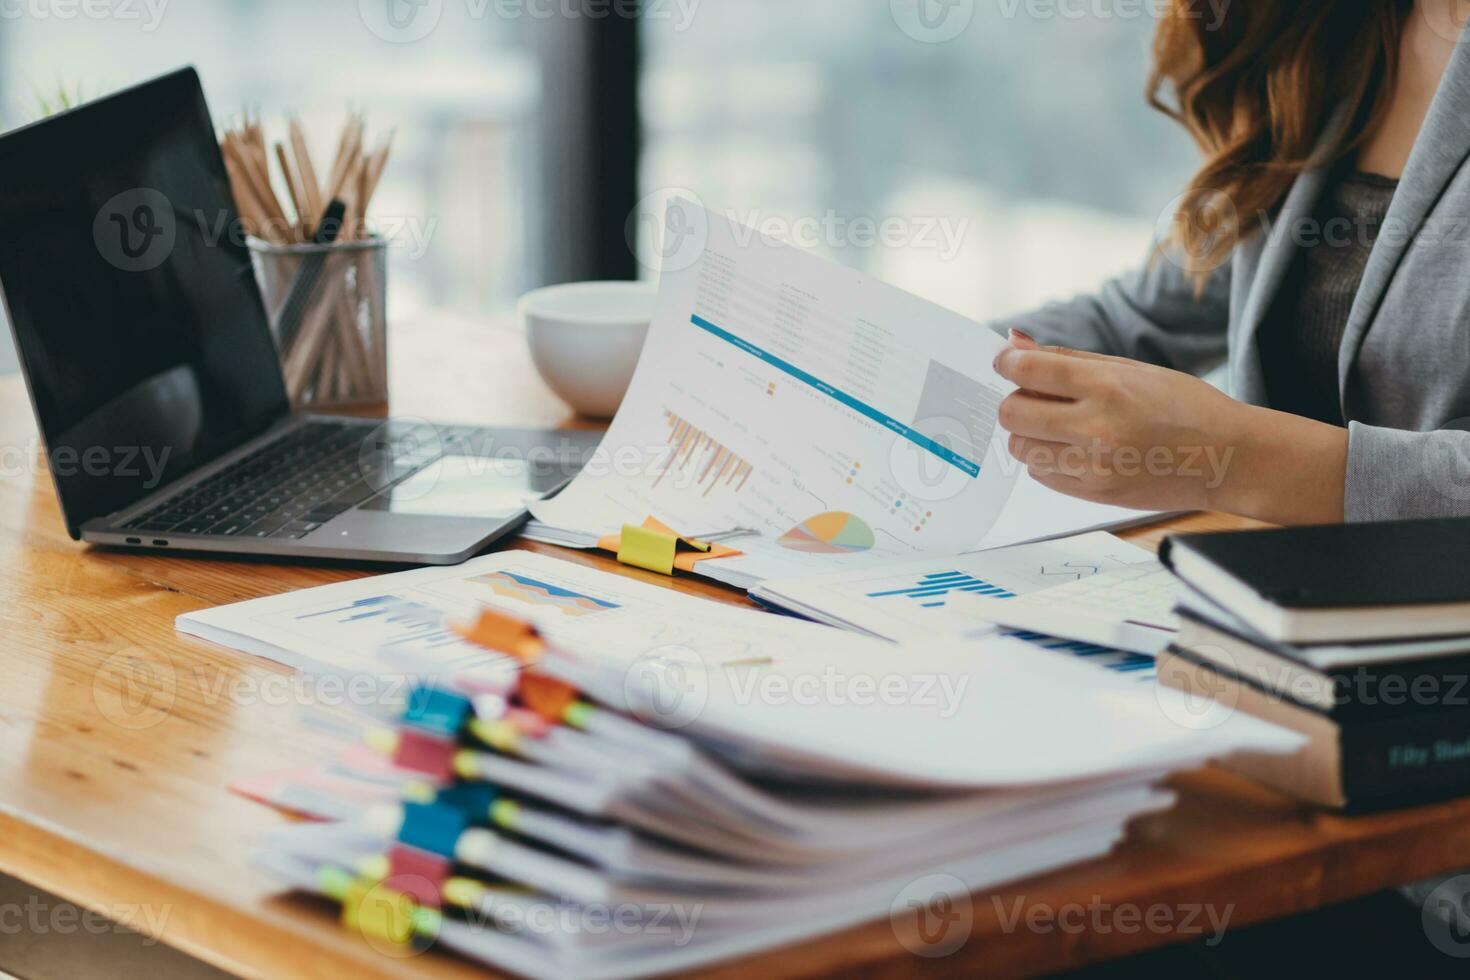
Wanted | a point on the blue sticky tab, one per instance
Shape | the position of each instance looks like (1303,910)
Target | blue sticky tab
(472,799)
(432,827)
(437,711)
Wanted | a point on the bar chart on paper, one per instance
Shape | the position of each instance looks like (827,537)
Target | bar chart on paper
(387,619)
(915,599)
(700,460)
(932,590)
(359,629)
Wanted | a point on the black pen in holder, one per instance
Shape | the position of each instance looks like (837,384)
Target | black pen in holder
(327,303)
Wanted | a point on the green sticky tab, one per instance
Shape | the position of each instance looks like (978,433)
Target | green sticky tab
(578,714)
(651,550)
(334,882)
(426,922)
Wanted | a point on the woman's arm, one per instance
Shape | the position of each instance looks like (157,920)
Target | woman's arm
(1153,314)
(1121,432)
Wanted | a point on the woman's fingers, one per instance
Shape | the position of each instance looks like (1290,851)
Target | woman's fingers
(1052,458)
(1048,372)
(1039,417)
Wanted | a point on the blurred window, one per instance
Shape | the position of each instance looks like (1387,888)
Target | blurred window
(986,155)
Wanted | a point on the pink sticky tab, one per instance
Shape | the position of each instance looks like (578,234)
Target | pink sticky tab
(421,752)
(417,874)
(529,723)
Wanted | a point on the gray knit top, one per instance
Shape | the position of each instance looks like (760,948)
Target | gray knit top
(1302,336)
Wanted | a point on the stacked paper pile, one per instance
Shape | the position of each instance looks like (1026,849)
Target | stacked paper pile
(568,819)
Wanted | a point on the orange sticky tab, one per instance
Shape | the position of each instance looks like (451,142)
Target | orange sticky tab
(548,697)
(505,634)
(686,561)
(707,550)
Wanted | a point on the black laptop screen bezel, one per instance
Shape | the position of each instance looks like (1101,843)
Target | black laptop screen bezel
(184,94)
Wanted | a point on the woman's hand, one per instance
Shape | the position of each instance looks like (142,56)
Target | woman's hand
(1122,432)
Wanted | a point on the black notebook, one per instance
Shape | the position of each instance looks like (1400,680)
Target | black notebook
(1341,582)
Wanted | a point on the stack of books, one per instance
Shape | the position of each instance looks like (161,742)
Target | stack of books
(549,817)
(1357,637)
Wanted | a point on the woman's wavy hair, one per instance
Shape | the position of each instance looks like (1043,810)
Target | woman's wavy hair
(1255,83)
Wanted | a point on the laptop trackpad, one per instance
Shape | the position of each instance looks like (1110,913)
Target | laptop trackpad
(470,486)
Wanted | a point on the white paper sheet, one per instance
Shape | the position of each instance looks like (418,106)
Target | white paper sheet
(795,397)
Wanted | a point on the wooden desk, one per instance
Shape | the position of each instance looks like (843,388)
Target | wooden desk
(123,806)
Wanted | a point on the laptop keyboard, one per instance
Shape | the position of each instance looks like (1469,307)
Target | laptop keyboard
(290,487)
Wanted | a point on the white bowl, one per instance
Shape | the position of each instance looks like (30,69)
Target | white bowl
(585,340)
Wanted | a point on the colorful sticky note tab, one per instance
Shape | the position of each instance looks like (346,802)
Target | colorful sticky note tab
(419,751)
(379,912)
(547,696)
(437,711)
(433,827)
(505,634)
(648,549)
(417,874)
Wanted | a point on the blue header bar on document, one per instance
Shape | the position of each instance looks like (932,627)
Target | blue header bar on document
(862,408)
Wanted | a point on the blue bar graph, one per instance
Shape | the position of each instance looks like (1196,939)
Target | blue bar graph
(1119,661)
(932,589)
(393,619)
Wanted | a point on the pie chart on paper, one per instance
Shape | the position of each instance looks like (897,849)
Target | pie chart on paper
(836,533)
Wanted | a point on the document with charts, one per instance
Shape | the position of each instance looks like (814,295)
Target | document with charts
(846,422)
(784,394)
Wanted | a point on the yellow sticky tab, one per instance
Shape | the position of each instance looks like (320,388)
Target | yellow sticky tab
(463,893)
(499,735)
(378,912)
(505,813)
(651,550)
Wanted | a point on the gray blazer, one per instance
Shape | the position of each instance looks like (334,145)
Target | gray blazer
(1404,372)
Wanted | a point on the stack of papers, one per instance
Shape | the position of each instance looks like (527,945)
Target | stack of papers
(743,779)
(842,421)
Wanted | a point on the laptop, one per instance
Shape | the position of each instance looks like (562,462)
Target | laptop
(155,379)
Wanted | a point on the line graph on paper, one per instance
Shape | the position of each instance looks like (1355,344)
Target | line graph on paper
(699,455)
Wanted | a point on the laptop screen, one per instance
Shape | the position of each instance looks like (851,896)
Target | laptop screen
(130,292)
